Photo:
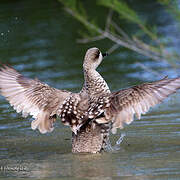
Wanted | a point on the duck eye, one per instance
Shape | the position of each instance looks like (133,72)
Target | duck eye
(97,54)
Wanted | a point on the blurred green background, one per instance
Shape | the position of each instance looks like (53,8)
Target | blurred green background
(39,39)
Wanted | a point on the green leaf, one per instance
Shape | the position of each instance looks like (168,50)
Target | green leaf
(123,9)
(72,4)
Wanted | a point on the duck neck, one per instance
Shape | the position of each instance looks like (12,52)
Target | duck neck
(94,83)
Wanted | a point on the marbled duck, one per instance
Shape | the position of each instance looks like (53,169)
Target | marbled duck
(92,113)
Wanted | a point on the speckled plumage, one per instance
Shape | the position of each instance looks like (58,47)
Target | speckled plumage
(92,113)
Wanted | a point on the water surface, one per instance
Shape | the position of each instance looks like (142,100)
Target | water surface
(39,39)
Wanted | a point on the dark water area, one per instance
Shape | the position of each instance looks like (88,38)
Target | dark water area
(38,38)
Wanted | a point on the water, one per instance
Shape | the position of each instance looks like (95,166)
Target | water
(38,39)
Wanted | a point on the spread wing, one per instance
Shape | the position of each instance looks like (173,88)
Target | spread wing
(31,97)
(138,100)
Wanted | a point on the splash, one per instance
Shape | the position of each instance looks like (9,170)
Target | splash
(116,147)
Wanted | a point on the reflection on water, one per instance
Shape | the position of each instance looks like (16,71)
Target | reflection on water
(38,40)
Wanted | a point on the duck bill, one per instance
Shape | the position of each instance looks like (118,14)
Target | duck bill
(105,54)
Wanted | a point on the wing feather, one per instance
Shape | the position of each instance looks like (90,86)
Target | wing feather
(31,97)
(138,100)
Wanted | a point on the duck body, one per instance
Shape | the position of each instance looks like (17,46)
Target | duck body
(92,113)
(87,134)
